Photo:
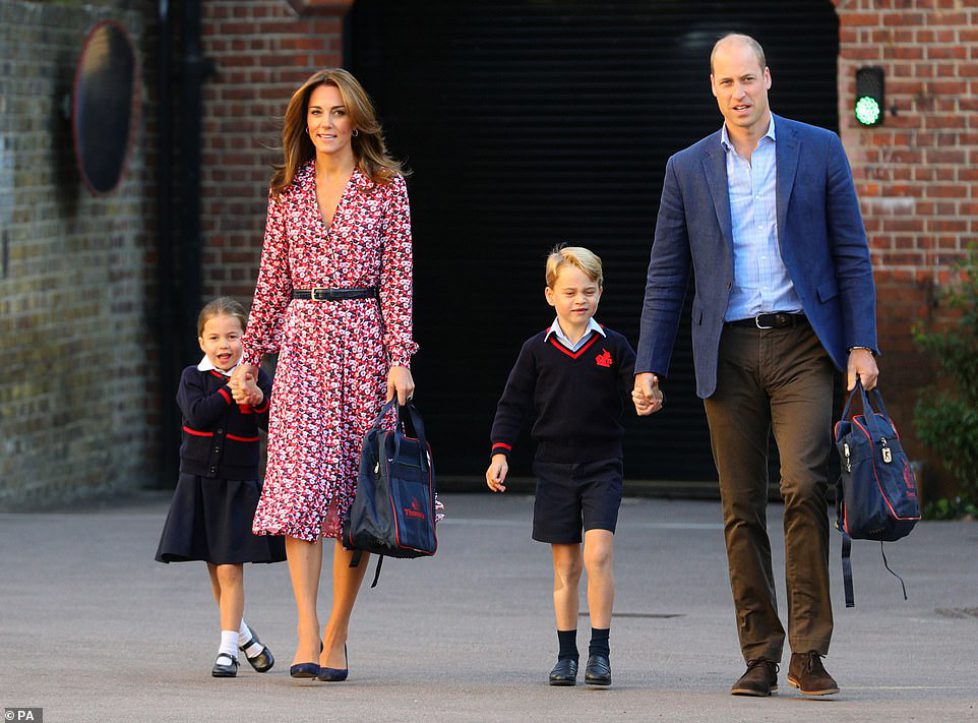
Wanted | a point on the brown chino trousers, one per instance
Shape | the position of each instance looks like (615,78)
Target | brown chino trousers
(778,379)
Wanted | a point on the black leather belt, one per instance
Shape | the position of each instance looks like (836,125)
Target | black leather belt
(773,320)
(323,294)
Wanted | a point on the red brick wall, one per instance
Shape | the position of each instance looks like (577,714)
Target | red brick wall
(262,51)
(916,175)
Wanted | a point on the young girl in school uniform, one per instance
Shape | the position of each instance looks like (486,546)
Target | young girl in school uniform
(214,503)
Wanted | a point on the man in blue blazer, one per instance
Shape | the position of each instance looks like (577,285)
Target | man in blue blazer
(764,213)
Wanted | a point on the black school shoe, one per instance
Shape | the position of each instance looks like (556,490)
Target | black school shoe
(226,666)
(262,662)
(598,670)
(564,672)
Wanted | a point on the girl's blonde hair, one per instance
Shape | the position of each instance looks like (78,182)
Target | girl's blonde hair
(369,149)
(584,259)
(221,305)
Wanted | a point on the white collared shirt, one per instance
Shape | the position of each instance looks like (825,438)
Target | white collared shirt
(206,365)
(592,326)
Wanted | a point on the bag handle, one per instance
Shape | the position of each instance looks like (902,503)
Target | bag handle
(412,410)
(415,421)
(869,412)
(383,411)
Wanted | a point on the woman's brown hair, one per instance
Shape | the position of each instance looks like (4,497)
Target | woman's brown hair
(368,145)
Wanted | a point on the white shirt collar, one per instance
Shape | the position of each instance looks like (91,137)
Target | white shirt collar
(206,365)
(592,325)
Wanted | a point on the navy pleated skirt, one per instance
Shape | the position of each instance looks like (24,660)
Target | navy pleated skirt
(210,520)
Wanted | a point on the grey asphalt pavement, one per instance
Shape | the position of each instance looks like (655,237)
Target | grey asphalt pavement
(92,629)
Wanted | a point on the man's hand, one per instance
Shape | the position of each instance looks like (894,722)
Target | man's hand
(646,395)
(862,364)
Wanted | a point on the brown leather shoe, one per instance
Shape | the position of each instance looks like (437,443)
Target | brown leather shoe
(807,673)
(761,679)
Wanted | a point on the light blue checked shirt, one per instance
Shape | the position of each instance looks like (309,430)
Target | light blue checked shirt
(761,282)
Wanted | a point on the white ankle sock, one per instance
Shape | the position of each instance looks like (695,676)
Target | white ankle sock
(229,643)
(245,634)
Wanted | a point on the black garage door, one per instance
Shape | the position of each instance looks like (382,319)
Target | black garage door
(533,122)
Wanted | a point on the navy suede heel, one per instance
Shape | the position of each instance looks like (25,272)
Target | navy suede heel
(335,675)
(306,670)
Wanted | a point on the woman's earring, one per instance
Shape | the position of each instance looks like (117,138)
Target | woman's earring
(355,133)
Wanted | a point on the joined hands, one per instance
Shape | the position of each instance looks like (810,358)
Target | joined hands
(244,386)
(646,395)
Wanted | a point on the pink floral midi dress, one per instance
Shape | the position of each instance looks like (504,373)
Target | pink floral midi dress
(334,356)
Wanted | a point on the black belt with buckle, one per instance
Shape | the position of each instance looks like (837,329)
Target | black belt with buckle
(772,320)
(323,294)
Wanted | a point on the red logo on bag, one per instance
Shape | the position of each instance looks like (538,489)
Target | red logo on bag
(909,481)
(604,359)
(414,510)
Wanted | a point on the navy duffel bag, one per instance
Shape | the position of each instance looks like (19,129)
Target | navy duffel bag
(393,513)
(876,497)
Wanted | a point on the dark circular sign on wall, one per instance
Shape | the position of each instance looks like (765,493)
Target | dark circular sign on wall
(102,105)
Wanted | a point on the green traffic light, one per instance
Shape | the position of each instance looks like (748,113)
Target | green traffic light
(868,111)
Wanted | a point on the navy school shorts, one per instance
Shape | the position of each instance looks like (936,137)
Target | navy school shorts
(572,496)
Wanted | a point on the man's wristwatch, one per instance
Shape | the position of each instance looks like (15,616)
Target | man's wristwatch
(864,348)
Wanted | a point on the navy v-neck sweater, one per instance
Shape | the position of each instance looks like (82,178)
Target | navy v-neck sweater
(577,397)
(220,438)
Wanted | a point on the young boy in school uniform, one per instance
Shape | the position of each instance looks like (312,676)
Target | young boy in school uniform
(573,376)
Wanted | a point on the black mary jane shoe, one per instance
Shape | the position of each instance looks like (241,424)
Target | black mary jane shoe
(598,670)
(564,672)
(335,675)
(226,666)
(262,662)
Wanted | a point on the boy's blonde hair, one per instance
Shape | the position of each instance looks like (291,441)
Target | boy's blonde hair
(587,261)
(221,305)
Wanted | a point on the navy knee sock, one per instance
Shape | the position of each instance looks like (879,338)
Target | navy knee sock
(599,642)
(567,639)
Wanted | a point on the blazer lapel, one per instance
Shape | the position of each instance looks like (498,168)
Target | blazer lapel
(715,167)
(786,148)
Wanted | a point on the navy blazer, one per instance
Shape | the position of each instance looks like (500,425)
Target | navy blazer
(820,233)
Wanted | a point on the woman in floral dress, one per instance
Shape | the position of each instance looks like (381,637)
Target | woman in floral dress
(338,219)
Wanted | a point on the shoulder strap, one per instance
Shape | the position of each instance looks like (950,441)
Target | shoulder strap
(847,569)
(380,561)
(357,558)
(887,566)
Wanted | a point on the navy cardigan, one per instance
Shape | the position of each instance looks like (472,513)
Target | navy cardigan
(220,438)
